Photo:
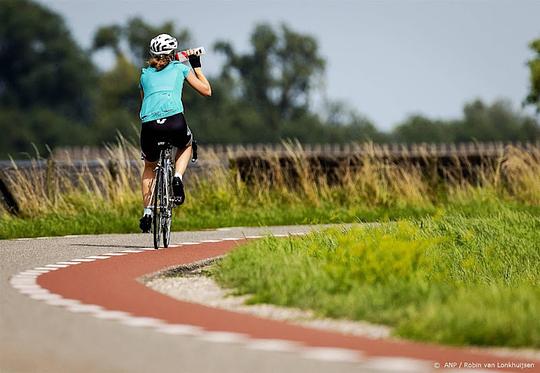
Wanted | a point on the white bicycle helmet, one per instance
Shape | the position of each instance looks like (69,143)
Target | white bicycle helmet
(163,44)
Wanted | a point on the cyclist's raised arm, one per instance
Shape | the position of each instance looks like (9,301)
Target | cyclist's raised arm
(198,82)
(196,78)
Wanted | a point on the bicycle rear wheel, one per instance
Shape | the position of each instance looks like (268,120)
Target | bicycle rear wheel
(156,199)
(167,204)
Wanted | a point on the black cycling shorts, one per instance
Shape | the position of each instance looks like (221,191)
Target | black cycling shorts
(173,129)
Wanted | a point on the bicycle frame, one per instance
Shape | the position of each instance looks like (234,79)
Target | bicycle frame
(162,196)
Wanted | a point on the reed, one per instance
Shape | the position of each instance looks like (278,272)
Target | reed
(286,190)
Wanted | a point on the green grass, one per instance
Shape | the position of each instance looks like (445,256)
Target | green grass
(212,211)
(207,207)
(453,278)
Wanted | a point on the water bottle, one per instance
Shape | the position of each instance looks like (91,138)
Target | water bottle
(183,57)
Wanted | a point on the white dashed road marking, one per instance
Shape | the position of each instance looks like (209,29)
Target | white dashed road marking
(398,364)
(273,345)
(181,330)
(98,257)
(111,315)
(83,260)
(332,354)
(141,321)
(224,337)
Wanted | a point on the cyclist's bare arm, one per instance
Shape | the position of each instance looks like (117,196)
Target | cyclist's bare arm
(198,82)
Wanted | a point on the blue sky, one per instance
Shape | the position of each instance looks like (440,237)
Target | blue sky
(386,59)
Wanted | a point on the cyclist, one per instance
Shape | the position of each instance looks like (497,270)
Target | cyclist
(162,114)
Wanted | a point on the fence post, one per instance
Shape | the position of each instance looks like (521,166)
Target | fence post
(51,179)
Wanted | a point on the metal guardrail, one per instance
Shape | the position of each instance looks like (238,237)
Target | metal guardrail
(90,164)
(26,164)
(391,149)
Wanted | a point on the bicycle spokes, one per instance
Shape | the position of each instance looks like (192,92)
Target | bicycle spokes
(163,199)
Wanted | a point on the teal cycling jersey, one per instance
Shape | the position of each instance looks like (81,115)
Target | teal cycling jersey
(162,91)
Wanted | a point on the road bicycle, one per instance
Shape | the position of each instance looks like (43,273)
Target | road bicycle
(163,198)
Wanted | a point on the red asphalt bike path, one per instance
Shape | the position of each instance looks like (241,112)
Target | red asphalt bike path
(113,284)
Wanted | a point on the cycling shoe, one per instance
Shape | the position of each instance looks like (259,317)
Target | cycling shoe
(178,191)
(145,223)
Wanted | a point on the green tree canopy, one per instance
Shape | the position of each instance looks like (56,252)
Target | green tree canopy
(41,63)
(480,122)
(132,38)
(118,102)
(278,76)
(47,82)
(533,98)
(417,128)
(495,122)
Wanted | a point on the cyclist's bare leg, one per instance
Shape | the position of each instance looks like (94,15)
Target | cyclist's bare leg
(183,156)
(147,179)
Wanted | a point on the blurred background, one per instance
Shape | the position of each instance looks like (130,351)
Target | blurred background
(403,112)
(319,72)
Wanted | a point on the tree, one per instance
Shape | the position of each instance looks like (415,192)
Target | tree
(278,75)
(417,128)
(108,37)
(36,128)
(480,122)
(132,38)
(495,122)
(41,63)
(342,123)
(118,102)
(46,80)
(533,98)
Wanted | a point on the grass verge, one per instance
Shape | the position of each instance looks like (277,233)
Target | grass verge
(451,278)
(196,215)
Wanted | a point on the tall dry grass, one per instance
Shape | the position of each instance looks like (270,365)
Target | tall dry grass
(67,186)
(368,180)
(520,172)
